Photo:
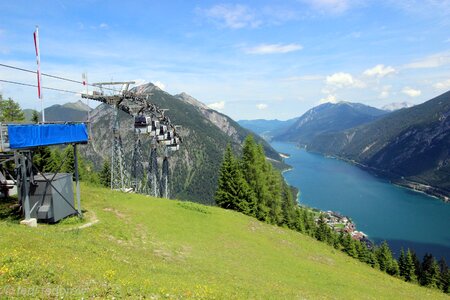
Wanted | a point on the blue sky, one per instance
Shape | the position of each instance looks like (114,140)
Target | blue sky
(248,59)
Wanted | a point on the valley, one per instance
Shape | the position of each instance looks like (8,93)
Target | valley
(381,210)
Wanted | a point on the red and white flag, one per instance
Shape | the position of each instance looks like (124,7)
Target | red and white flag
(38,61)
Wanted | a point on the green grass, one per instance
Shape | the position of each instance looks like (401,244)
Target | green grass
(170,249)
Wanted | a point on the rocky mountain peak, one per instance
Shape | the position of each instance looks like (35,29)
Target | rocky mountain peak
(145,88)
(191,100)
(79,105)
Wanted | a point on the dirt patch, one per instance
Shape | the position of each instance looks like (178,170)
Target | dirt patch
(254,226)
(118,214)
(322,260)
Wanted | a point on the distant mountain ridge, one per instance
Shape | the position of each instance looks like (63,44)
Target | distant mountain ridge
(410,146)
(267,129)
(68,112)
(329,117)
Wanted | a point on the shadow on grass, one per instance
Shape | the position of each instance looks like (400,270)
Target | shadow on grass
(10,210)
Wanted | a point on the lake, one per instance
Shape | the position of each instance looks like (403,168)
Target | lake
(381,210)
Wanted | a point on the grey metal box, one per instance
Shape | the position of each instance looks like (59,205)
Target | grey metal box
(51,203)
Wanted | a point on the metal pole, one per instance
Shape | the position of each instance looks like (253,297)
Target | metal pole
(76,179)
(26,204)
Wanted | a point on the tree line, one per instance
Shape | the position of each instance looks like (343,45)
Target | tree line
(249,184)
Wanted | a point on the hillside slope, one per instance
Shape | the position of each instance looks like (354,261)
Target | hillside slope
(143,246)
(205,132)
(329,117)
(411,143)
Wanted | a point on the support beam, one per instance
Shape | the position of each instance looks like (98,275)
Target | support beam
(75,155)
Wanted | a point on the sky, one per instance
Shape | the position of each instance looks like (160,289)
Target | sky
(247,59)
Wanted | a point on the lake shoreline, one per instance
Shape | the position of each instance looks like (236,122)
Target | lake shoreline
(408,184)
(380,208)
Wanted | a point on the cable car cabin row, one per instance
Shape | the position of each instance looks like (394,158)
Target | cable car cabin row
(162,133)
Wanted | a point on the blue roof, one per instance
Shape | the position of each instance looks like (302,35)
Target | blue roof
(35,135)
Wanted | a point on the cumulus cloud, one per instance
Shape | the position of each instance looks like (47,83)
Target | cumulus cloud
(344,80)
(340,79)
(233,16)
(328,99)
(217,105)
(379,71)
(443,85)
(432,61)
(273,48)
(261,106)
(411,92)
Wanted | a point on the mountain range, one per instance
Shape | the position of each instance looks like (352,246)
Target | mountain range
(267,129)
(326,118)
(205,133)
(409,146)
(68,112)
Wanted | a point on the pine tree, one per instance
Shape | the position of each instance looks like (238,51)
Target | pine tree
(54,162)
(105,174)
(322,229)
(68,165)
(252,165)
(444,278)
(402,263)
(430,272)
(288,206)
(41,158)
(233,191)
(274,182)
(299,224)
(384,258)
(349,246)
(409,267)
(10,111)
(35,117)
(363,252)
(417,265)
(372,259)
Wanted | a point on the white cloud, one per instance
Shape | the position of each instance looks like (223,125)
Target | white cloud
(331,6)
(274,48)
(340,79)
(443,85)
(432,61)
(385,92)
(159,84)
(379,71)
(232,16)
(261,106)
(104,26)
(328,99)
(217,105)
(411,92)
(344,80)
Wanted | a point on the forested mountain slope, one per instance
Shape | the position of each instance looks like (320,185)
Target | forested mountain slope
(205,134)
(411,144)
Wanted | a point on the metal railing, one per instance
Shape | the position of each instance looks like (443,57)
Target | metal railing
(4,139)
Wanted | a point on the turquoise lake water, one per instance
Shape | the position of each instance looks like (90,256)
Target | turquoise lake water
(383,211)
